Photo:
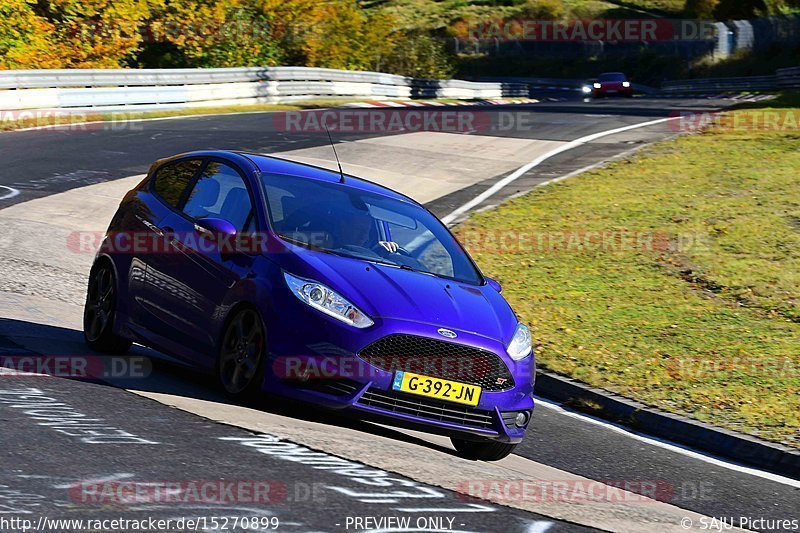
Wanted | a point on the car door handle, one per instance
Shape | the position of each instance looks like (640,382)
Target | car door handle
(205,232)
(169,233)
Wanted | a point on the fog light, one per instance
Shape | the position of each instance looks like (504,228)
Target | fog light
(521,419)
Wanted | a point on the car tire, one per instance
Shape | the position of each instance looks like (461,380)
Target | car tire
(241,354)
(99,312)
(484,450)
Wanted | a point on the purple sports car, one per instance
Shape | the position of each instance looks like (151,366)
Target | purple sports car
(313,286)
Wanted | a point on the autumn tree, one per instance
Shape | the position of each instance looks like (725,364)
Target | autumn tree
(209,33)
(97,33)
(25,38)
(213,33)
(543,9)
(739,9)
(421,56)
(333,34)
(700,9)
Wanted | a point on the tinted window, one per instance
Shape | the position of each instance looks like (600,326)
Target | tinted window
(421,243)
(611,76)
(172,179)
(355,223)
(220,192)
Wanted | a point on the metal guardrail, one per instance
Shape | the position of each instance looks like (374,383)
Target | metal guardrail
(109,89)
(558,84)
(539,82)
(788,77)
(783,78)
(749,83)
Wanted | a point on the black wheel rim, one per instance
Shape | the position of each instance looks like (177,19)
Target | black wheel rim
(99,304)
(242,350)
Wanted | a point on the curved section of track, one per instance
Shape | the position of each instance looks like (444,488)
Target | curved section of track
(74,183)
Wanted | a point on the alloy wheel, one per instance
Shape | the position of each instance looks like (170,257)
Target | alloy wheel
(99,304)
(242,352)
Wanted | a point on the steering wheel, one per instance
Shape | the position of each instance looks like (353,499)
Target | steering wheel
(400,250)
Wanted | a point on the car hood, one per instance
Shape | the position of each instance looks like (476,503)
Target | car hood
(391,292)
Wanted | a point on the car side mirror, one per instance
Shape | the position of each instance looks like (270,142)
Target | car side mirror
(215,229)
(494,284)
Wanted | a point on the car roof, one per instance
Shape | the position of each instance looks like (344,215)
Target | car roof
(276,165)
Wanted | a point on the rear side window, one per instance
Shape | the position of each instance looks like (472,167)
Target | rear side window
(220,192)
(172,179)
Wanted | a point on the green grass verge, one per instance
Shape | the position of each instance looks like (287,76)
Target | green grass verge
(703,315)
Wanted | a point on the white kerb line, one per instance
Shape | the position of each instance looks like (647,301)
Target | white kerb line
(488,193)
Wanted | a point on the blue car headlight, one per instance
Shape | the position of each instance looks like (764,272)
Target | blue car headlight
(326,300)
(520,346)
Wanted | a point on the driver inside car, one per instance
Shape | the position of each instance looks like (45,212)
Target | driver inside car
(358,229)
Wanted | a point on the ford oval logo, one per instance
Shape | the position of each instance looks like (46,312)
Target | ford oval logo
(447,333)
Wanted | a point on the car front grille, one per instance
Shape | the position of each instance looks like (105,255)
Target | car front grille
(440,359)
(426,408)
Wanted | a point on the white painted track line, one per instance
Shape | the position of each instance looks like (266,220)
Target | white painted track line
(488,193)
(10,194)
(667,445)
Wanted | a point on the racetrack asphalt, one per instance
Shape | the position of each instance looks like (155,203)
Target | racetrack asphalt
(42,163)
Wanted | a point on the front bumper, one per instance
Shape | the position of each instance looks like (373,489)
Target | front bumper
(620,91)
(374,400)
(325,369)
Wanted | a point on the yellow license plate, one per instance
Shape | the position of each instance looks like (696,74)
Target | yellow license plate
(442,389)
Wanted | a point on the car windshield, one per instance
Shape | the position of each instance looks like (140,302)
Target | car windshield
(611,76)
(355,223)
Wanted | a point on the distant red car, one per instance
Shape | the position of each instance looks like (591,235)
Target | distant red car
(609,84)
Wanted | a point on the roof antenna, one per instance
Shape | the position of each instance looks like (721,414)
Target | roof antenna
(341,173)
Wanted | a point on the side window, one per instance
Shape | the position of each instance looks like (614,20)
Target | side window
(221,193)
(172,179)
